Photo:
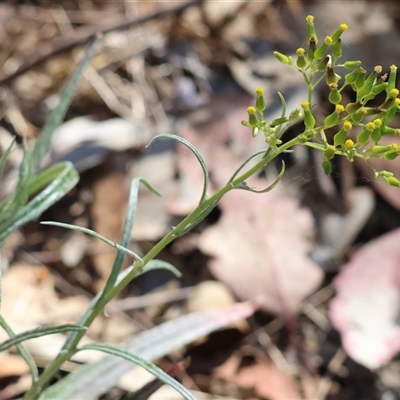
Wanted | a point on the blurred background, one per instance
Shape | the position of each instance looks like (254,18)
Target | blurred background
(322,251)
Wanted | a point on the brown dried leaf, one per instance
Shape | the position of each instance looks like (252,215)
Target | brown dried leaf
(267,380)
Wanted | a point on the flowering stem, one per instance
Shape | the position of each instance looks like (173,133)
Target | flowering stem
(104,297)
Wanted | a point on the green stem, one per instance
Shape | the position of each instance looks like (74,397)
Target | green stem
(104,298)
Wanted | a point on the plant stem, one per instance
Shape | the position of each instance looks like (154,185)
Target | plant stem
(104,298)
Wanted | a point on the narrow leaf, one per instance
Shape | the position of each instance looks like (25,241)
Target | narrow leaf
(269,188)
(160,264)
(4,157)
(153,369)
(126,237)
(127,232)
(41,202)
(95,379)
(235,174)
(43,143)
(197,155)
(94,234)
(39,332)
(21,350)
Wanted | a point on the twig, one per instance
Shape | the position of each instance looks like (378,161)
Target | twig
(86,36)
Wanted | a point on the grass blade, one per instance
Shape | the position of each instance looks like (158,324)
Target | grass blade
(39,332)
(22,350)
(43,143)
(197,155)
(65,181)
(90,381)
(153,369)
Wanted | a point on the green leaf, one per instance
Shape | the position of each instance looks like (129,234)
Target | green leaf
(39,332)
(236,173)
(283,114)
(4,157)
(147,365)
(197,155)
(127,232)
(94,234)
(269,188)
(65,181)
(43,143)
(21,350)
(19,197)
(126,237)
(90,381)
(160,264)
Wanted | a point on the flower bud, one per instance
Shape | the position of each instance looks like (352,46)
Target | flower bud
(302,138)
(360,79)
(281,57)
(295,115)
(391,155)
(349,144)
(349,149)
(334,96)
(376,125)
(392,181)
(333,119)
(392,78)
(351,108)
(357,117)
(340,136)
(337,50)
(329,152)
(331,77)
(393,110)
(320,52)
(379,149)
(338,32)
(387,130)
(278,121)
(380,87)
(309,120)
(385,174)
(324,64)
(312,45)
(311,28)
(253,120)
(260,101)
(352,64)
(363,137)
(326,166)
(368,83)
(301,60)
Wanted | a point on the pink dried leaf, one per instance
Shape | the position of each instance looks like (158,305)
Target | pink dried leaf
(366,308)
(260,246)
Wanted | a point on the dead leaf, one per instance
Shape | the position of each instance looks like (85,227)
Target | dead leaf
(12,365)
(366,308)
(29,302)
(266,379)
(260,245)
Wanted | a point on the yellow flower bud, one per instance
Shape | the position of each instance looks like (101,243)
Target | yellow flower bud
(253,120)
(349,144)
(309,120)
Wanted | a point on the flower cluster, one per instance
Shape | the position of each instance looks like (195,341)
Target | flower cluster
(359,126)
